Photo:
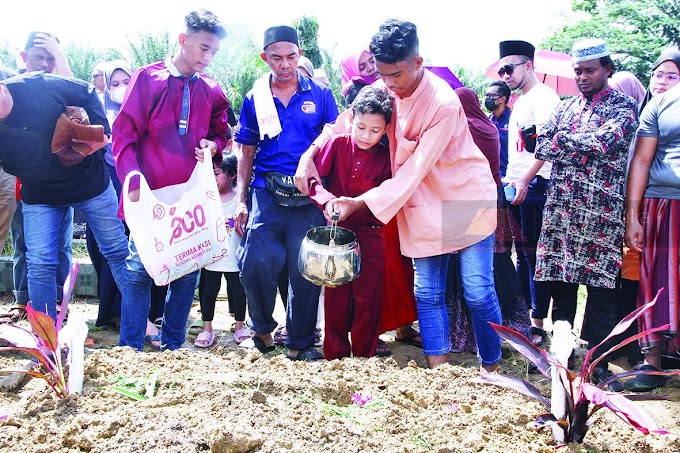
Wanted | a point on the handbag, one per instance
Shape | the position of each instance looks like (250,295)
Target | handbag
(283,190)
(179,236)
(74,138)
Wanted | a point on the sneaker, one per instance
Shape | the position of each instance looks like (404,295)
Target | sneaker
(79,230)
(646,382)
(600,374)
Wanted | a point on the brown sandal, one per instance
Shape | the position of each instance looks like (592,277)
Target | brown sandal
(14,315)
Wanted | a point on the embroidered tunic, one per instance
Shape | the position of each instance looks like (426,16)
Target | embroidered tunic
(587,141)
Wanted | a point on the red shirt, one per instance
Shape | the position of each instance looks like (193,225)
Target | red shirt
(350,171)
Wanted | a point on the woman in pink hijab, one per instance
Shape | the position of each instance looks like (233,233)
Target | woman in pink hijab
(358,70)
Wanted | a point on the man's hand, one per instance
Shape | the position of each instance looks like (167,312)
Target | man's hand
(521,186)
(240,218)
(344,206)
(306,170)
(133,195)
(205,143)
(634,235)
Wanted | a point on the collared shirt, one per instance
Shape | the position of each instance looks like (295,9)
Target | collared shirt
(145,132)
(587,141)
(350,172)
(442,191)
(39,100)
(502,123)
(302,121)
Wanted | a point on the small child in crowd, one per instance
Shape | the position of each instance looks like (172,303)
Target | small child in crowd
(353,164)
(211,276)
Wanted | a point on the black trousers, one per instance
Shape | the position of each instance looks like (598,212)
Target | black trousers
(600,316)
(209,286)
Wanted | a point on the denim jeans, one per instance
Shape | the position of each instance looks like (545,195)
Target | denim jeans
(273,238)
(526,229)
(135,308)
(476,267)
(42,225)
(20,270)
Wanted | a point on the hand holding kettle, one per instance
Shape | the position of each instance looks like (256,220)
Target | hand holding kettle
(344,207)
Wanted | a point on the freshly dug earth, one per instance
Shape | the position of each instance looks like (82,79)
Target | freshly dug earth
(227,399)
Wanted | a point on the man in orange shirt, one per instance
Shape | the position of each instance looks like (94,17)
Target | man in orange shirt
(442,193)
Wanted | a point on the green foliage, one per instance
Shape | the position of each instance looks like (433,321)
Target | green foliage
(308,31)
(636,31)
(8,54)
(332,69)
(150,48)
(82,60)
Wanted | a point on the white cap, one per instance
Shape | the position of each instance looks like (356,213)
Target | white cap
(589,49)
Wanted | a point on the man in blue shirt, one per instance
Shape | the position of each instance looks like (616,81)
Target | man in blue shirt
(280,118)
(496,102)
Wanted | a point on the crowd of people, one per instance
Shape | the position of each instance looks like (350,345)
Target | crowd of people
(437,192)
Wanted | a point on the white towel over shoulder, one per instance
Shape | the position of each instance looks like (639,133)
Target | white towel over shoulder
(267,117)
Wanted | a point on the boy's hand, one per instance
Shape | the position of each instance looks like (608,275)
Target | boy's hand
(344,206)
(240,218)
(328,210)
(133,195)
(205,143)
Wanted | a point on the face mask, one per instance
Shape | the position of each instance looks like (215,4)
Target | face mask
(490,104)
(117,94)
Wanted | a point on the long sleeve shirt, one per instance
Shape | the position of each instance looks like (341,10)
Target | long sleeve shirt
(442,190)
(350,171)
(145,132)
(26,138)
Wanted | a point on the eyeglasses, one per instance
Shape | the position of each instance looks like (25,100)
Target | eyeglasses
(509,68)
(493,96)
(96,76)
(671,77)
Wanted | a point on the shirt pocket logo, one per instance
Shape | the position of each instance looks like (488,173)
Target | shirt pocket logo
(308,107)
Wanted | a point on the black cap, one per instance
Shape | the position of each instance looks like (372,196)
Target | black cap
(517,48)
(280,33)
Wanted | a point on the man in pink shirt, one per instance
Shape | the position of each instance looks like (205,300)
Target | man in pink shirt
(171,111)
(442,193)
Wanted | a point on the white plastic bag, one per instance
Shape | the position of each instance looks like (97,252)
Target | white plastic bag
(182,233)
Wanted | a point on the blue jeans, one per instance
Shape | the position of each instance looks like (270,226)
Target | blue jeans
(526,230)
(20,270)
(476,268)
(135,308)
(42,226)
(273,238)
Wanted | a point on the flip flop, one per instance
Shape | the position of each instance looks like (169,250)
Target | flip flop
(204,339)
(540,333)
(153,339)
(258,343)
(412,341)
(196,327)
(382,350)
(14,315)
(306,355)
(242,335)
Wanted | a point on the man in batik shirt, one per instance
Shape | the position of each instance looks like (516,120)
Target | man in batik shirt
(587,140)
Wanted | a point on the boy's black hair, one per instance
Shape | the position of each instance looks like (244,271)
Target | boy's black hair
(395,41)
(374,100)
(204,20)
(503,89)
(229,164)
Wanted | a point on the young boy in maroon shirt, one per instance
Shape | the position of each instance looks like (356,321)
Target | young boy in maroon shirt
(352,164)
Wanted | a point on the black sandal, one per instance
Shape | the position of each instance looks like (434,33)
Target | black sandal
(14,315)
(541,333)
